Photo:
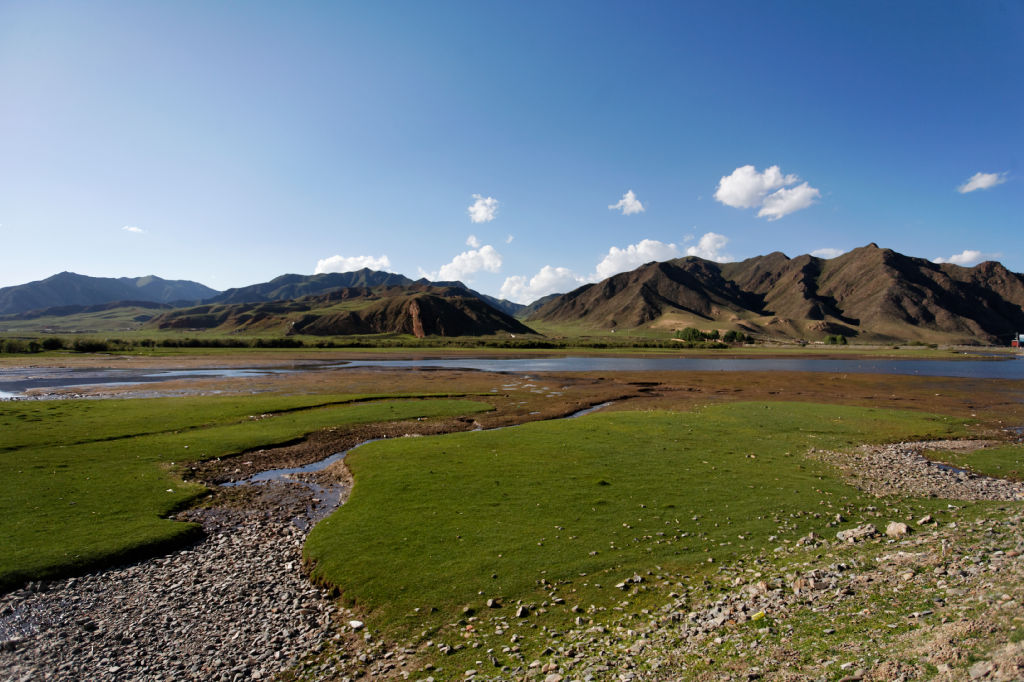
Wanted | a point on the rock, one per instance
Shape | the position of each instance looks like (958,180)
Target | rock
(927,518)
(493,604)
(895,529)
(980,669)
(553,677)
(855,534)
(356,625)
(522,612)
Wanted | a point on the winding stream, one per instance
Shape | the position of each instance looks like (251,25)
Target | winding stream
(327,498)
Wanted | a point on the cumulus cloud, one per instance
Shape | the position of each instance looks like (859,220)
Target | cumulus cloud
(710,248)
(967,258)
(472,241)
(981,181)
(549,280)
(466,264)
(827,253)
(628,204)
(620,260)
(133,229)
(769,190)
(788,200)
(351,263)
(483,209)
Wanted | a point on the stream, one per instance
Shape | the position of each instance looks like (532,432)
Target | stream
(327,498)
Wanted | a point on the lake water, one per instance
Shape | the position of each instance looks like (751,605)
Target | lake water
(14,382)
(980,369)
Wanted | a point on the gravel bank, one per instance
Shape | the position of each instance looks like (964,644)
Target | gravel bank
(236,606)
(901,469)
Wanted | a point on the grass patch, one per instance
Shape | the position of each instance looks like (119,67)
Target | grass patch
(443,523)
(79,492)
(1003,461)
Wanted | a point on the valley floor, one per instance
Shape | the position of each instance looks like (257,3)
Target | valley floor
(938,598)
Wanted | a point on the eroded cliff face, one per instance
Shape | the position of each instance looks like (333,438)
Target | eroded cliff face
(417,321)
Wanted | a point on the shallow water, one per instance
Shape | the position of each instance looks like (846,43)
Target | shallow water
(15,382)
(1012,368)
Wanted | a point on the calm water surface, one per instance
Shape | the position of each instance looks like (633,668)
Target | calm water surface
(980,369)
(14,382)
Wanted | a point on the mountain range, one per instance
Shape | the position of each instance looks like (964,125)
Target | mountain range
(869,293)
(418,309)
(71,289)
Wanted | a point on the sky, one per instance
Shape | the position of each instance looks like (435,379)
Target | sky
(523,147)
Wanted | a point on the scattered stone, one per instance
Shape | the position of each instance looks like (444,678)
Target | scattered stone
(855,534)
(895,529)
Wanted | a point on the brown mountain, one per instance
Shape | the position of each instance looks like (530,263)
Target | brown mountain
(870,292)
(417,309)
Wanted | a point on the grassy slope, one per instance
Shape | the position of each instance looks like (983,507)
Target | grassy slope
(604,495)
(78,492)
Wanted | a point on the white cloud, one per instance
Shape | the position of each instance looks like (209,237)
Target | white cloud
(746,188)
(620,260)
(967,258)
(827,253)
(472,241)
(710,248)
(628,204)
(133,229)
(351,263)
(467,263)
(981,181)
(549,280)
(483,209)
(788,200)
(508,239)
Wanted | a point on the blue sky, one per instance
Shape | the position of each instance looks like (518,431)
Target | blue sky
(229,143)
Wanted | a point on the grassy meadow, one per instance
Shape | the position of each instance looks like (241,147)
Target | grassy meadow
(87,483)
(436,526)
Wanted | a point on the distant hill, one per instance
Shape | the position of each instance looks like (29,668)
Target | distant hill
(502,304)
(417,309)
(870,292)
(287,287)
(70,289)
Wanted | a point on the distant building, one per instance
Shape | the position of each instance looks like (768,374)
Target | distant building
(1018,341)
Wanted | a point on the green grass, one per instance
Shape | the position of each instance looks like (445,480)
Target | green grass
(1004,461)
(79,492)
(446,522)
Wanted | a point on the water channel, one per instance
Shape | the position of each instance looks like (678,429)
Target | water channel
(327,498)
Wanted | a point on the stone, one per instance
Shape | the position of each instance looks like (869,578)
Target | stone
(895,529)
(855,534)
(522,612)
(980,669)
(356,625)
